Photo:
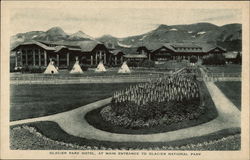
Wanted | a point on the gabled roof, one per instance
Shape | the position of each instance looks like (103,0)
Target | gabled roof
(209,47)
(116,52)
(58,48)
(190,47)
(153,46)
(88,46)
(184,47)
(84,46)
(135,56)
(230,55)
(129,50)
(35,43)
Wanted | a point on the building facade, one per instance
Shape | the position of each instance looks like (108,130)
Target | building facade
(39,53)
(173,51)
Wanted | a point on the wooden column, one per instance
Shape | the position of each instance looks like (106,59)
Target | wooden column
(67,59)
(26,57)
(96,58)
(105,58)
(100,55)
(91,60)
(16,58)
(21,58)
(45,58)
(122,59)
(149,56)
(57,60)
(34,57)
(115,60)
(39,57)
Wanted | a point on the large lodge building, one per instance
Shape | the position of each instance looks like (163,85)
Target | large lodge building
(38,53)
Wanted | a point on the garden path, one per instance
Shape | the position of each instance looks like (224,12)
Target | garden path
(74,123)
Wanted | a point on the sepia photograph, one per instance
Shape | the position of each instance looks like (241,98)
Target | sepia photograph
(129,80)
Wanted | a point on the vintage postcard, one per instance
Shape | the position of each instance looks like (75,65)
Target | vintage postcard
(125,80)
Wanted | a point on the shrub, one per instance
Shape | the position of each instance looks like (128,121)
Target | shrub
(147,64)
(216,59)
(84,67)
(144,63)
(193,59)
(32,69)
(238,59)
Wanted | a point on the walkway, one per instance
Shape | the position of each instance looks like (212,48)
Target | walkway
(73,122)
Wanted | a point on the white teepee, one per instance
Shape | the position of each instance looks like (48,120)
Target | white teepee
(124,68)
(100,67)
(51,69)
(76,68)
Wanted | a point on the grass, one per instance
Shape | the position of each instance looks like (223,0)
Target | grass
(232,90)
(228,68)
(171,64)
(94,118)
(52,131)
(89,73)
(35,100)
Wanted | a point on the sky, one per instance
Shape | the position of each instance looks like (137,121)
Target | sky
(119,22)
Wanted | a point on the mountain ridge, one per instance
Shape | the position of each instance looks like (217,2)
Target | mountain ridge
(228,36)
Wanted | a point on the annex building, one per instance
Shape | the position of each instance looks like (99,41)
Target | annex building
(173,51)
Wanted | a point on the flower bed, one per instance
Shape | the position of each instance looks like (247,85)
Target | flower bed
(24,137)
(165,101)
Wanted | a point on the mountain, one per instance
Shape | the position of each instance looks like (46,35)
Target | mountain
(79,36)
(22,37)
(228,36)
(53,34)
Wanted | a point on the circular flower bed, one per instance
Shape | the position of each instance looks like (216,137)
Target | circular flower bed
(165,101)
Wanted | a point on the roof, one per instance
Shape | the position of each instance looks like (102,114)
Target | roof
(59,48)
(184,47)
(116,52)
(135,56)
(84,46)
(129,50)
(35,43)
(152,46)
(88,46)
(230,55)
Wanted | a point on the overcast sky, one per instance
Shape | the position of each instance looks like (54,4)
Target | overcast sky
(119,22)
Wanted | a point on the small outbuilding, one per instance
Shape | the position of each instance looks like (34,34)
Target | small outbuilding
(100,68)
(51,69)
(76,68)
(124,68)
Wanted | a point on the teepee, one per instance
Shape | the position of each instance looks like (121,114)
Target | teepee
(76,68)
(124,68)
(51,69)
(100,67)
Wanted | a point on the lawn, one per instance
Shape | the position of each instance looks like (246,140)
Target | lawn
(232,90)
(35,100)
(95,119)
(90,73)
(22,139)
(172,65)
(228,68)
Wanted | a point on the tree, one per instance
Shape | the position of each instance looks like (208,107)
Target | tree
(238,59)
(216,59)
(193,59)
